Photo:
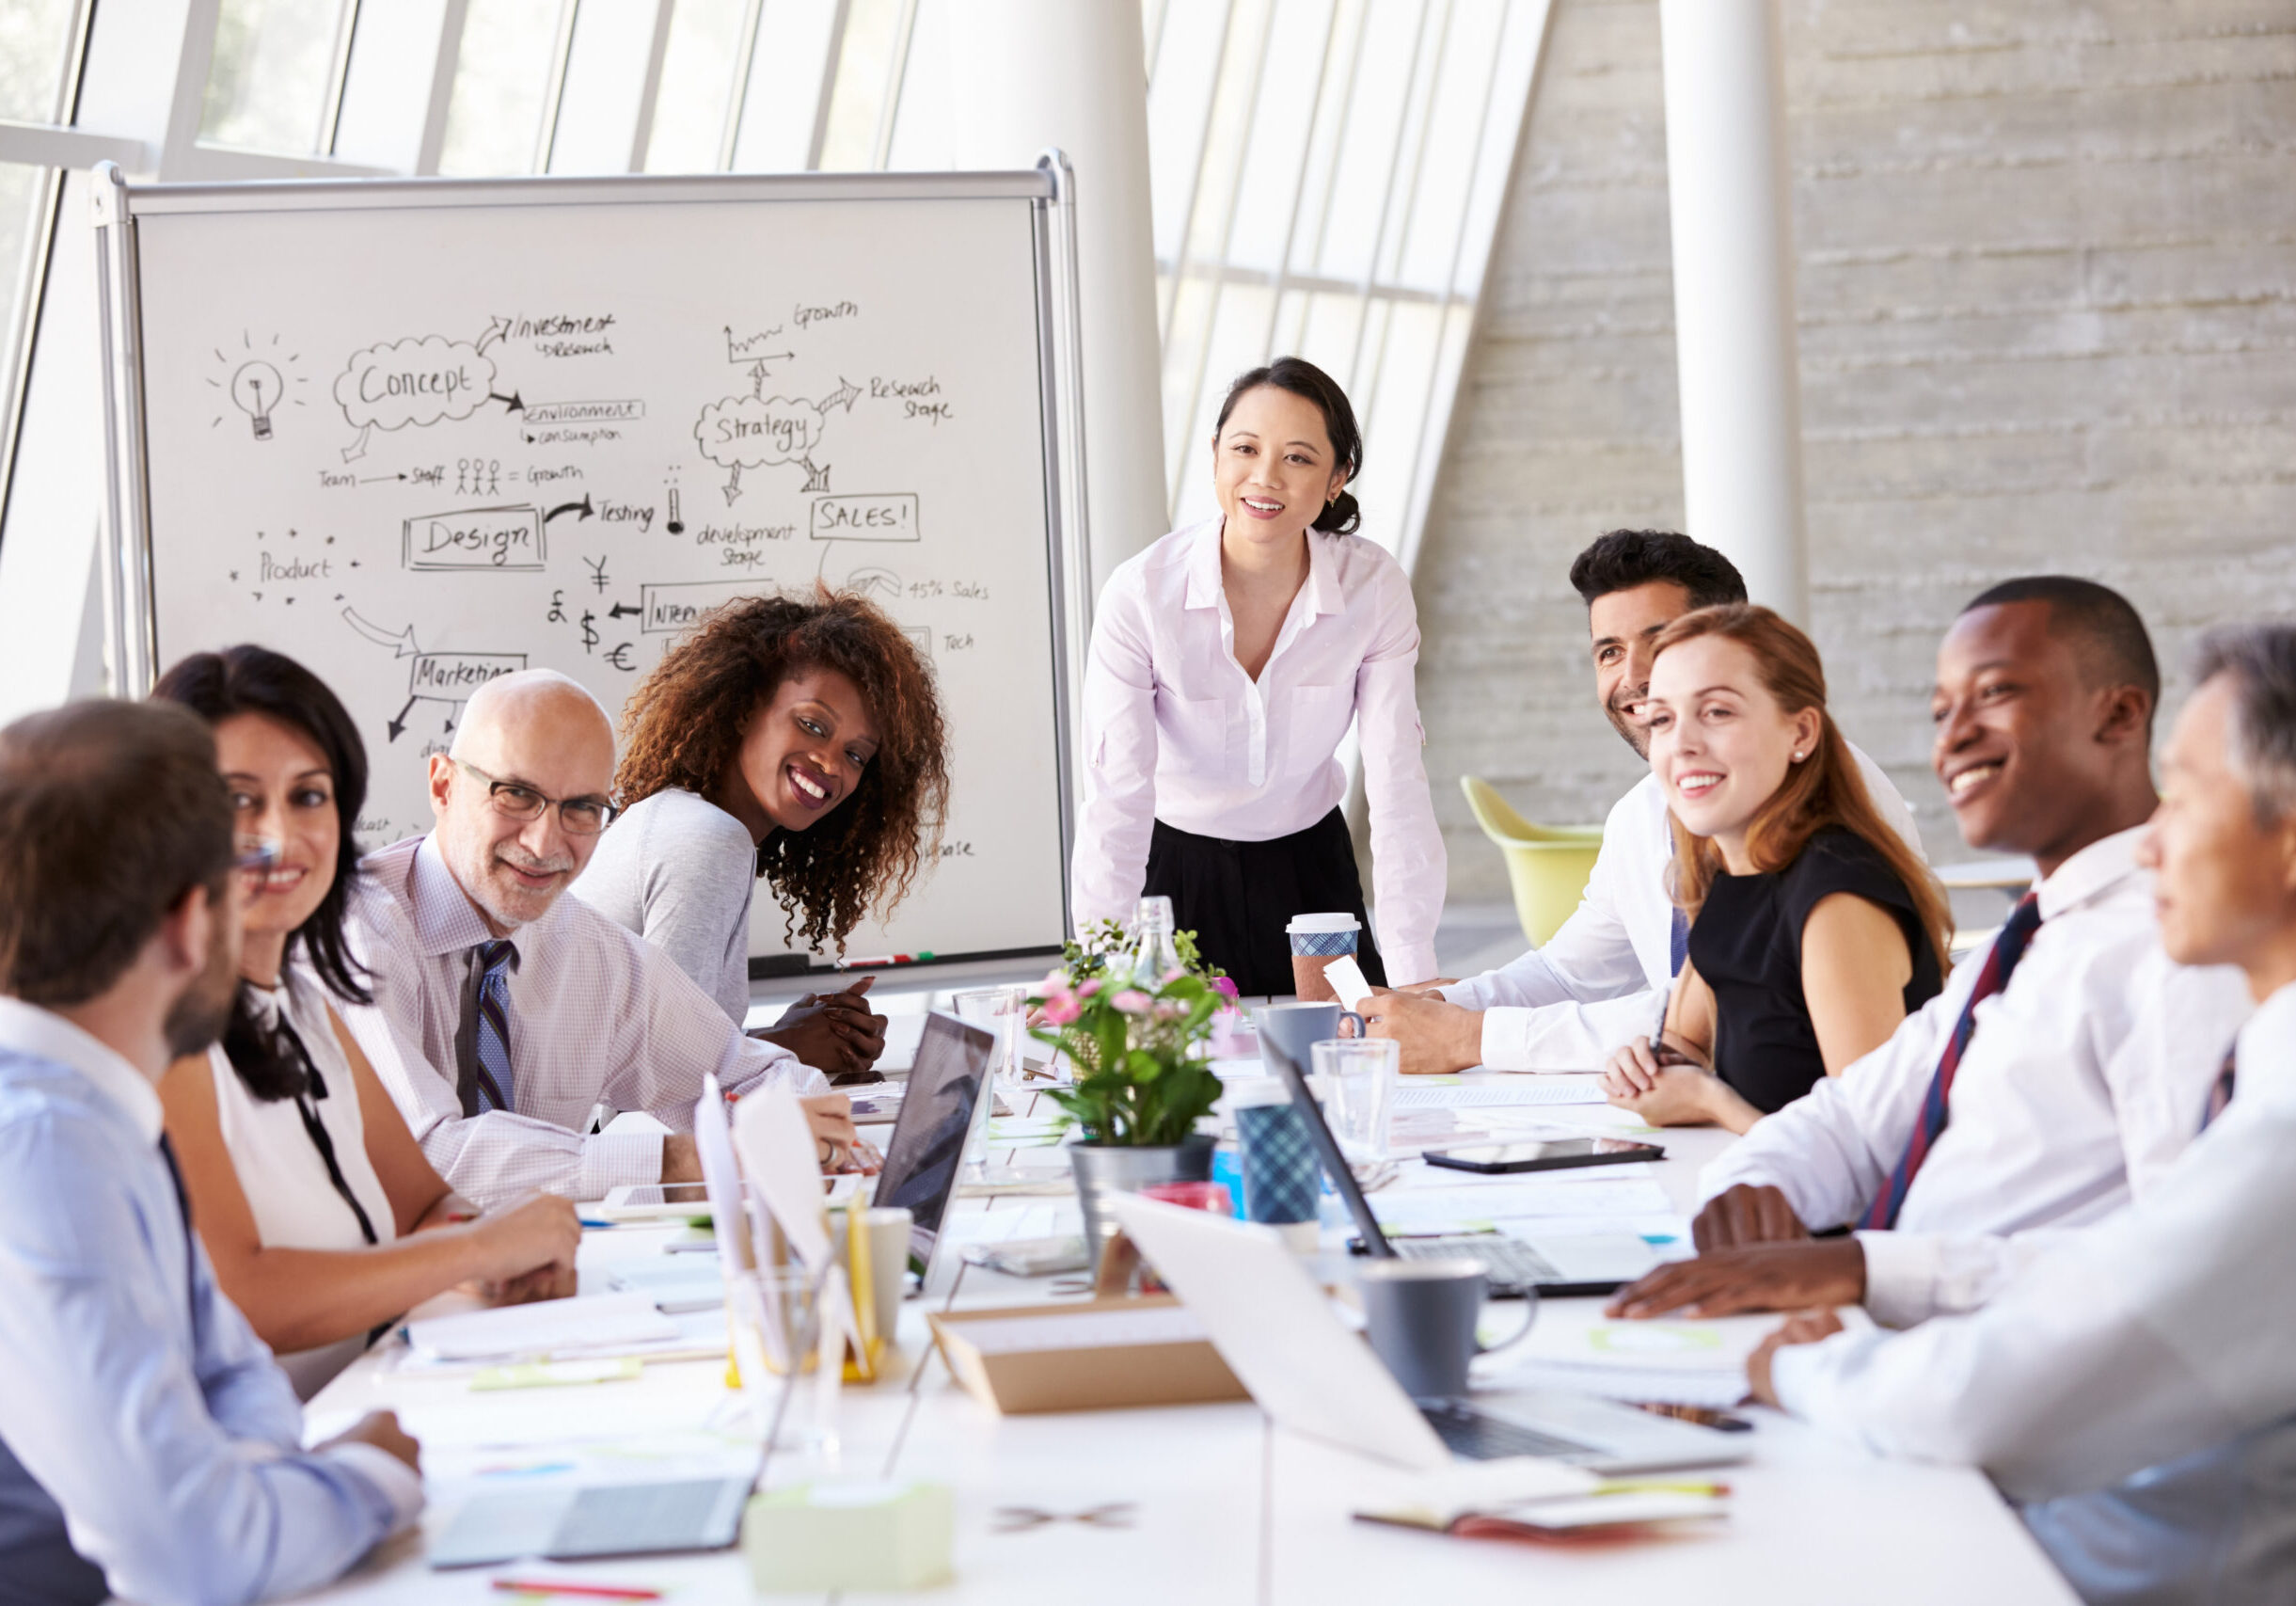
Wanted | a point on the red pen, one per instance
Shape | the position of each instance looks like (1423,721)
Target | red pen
(593,1591)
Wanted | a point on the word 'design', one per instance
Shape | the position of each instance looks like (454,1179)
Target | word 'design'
(476,538)
(891,518)
(453,676)
(665,608)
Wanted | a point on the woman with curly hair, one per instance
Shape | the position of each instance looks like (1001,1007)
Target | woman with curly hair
(796,740)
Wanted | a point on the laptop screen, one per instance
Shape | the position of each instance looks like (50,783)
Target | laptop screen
(945,1090)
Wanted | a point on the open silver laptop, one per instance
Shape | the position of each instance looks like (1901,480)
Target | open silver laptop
(1558,1264)
(943,1113)
(1277,1332)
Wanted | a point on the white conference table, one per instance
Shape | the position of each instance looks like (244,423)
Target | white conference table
(1227,1509)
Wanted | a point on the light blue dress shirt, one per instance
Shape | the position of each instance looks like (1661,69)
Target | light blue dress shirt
(147,1440)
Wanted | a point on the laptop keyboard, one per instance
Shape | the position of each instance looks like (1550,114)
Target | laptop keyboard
(1466,1431)
(1512,1263)
(631,1519)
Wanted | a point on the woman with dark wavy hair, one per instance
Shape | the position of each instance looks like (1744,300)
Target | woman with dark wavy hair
(322,1215)
(796,740)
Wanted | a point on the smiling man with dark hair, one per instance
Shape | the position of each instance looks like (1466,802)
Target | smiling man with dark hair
(2133,1385)
(1600,980)
(2059,1068)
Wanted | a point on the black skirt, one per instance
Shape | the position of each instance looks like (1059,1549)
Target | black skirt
(1238,896)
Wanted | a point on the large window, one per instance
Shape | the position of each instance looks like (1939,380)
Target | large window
(1326,174)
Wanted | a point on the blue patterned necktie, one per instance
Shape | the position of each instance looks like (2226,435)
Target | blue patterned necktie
(493,1035)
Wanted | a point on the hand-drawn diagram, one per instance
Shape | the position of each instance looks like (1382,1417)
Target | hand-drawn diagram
(891,517)
(418,381)
(756,431)
(666,609)
(742,350)
(448,677)
(255,384)
(505,538)
(874,582)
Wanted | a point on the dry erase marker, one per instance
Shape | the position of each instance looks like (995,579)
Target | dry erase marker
(881,961)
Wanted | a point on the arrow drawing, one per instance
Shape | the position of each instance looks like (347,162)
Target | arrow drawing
(581,508)
(378,478)
(619,608)
(398,725)
(495,328)
(510,403)
(816,479)
(844,396)
(733,485)
(358,448)
(402,646)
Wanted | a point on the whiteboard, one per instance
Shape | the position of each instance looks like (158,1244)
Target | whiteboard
(420,435)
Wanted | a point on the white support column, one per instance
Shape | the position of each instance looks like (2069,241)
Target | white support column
(1025,74)
(1732,214)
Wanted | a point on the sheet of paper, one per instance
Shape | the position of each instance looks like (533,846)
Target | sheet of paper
(1517,1091)
(1434,1209)
(592,1324)
(1347,982)
(778,1159)
(1099,1329)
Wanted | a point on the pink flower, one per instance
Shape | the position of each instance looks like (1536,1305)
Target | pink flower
(1089,988)
(1062,1010)
(1055,984)
(1131,1001)
(1225,987)
(1170,1009)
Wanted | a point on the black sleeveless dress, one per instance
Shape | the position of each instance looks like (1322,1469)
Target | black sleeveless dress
(1746,945)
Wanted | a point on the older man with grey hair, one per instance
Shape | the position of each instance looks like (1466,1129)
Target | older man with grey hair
(504,1011)
(2135,1387)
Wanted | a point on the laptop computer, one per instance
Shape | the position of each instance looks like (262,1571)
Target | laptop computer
(1561,1265)
(564,1524)
(942,1114)
(1277,1332)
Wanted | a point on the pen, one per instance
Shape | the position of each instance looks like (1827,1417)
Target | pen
(1660,1486)
(593,1591)
(879,961)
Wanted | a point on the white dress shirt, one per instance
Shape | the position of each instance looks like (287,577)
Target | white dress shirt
(2083,1077)
(2153,1344)
(1175,730)
(1602,978)
(596,1015)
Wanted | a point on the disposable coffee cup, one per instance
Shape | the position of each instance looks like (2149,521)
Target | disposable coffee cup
(1316,941)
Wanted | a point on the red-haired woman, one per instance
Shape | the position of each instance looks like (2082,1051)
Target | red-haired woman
(793,741)
(1814,929)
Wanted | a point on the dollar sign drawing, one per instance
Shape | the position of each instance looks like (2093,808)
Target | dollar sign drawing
(589,631)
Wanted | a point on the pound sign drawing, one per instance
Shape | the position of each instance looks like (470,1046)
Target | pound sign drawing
(558,608)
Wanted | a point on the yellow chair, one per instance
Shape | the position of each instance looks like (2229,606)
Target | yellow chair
(1549,865)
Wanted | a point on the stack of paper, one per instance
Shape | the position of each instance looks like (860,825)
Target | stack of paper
(609,1324)
(1690,1363)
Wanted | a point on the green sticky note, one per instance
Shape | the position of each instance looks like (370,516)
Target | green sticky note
(819,1536)
(557,1374)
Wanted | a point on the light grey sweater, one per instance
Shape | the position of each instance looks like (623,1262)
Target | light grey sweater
(678,870)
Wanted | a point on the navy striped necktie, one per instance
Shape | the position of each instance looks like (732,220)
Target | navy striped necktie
(2008,947)
(492,1037)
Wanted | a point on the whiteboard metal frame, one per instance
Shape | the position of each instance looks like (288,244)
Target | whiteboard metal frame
(130,612)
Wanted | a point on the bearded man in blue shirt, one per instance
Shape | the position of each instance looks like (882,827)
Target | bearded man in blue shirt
(149,1447)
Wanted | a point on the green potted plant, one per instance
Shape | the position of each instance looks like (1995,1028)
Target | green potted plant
(1136,1046)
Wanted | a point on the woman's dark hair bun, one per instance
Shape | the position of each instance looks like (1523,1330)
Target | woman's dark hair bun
(1305,379)
(1339,516)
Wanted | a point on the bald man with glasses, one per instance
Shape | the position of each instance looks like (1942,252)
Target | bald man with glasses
(504,1011)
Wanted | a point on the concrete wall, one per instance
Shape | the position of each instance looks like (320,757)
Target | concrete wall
(2048,316)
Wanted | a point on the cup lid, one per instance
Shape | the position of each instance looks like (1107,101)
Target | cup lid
(1304,923)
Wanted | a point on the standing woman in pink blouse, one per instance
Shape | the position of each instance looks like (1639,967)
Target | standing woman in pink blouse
(1228,661)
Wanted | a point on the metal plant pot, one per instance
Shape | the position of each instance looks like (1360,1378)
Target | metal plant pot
(1102,1169)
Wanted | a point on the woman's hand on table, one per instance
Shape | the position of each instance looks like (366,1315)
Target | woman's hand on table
(1808,1327)
(527,1251)
(837,1141)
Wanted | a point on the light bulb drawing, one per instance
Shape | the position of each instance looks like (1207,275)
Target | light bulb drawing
(257,387)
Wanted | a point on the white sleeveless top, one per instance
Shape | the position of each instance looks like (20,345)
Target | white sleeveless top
(294,1202)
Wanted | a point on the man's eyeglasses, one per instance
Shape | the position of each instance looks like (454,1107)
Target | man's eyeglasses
(255,857)
(577,817)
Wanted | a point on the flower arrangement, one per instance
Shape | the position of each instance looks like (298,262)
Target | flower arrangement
(1141,1079)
